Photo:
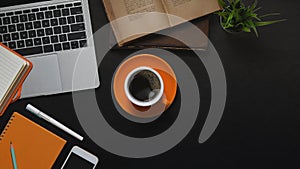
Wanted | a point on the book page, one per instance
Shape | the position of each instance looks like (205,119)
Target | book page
(189,9)
(137,17)
(10,67)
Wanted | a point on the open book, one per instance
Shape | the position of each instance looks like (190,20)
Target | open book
(132,19)
(13,71)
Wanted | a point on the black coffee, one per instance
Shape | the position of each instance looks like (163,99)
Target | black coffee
(144,86)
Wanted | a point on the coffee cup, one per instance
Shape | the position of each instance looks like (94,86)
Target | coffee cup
(144,86)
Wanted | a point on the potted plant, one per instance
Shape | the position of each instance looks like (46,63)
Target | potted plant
(238,17)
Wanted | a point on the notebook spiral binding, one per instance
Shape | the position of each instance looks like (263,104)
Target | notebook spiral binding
(9,123)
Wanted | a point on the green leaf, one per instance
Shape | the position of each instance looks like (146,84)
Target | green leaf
(265,23)
(257,9)
(255,30)
(237,2)
(255,17)
(229,19)
(254,5)
(270,14)
(246,29)
(240,24)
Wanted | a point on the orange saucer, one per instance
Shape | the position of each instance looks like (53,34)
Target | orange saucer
(167,74)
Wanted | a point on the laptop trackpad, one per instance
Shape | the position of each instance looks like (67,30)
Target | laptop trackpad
(44,79)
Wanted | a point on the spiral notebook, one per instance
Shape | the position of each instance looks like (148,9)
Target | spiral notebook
(35,147)
(14,69)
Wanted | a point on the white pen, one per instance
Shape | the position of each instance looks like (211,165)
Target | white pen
(44,116)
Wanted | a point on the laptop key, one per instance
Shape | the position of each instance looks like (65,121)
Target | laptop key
(76,36)
(12,28)
(23,18)
(29,25)
(57,30)
(66,46)
(30,51)
(23,35)
(49,31)
(35,10)
(74,45)
(1,39)
(65,12)
(69,5)
(32,34)
(57,47)
(9,13)
(62,38)
(45,23)
(77,27)
(48,14)
(57,13)
(60,6)
(0,21)
(66,29)
(14,19)
(54,22)
(20,27)
(29,42)
(12,45)
(71,19)
(6,20)
(48,48)
(5,44)
(6,37)
(76,10)
(26,11)
(40,15)
(77,4)
(21,44)
(46,40)
(62,21)
(3,29)
(83,43)
(54,39)
(79,18)
(43,9)
(40,32)
(37,24)
(18,12)
(37,41)
(51,7)
(32,17)
(15,36)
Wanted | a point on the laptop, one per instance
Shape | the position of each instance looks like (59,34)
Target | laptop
(55,35)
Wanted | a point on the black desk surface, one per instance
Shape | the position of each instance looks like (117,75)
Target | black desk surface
(260,127)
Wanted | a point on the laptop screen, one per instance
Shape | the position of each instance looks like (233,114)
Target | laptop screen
(18,2)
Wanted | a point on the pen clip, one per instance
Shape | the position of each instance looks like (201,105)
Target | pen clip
(44,116)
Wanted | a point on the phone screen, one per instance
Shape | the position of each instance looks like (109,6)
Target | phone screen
(76,161)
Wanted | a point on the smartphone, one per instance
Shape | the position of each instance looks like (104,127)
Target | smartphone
(79,158)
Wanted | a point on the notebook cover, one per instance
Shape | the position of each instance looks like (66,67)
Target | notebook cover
(19,86)
(165,42)
(35,147)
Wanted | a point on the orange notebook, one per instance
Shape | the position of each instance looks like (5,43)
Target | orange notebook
(35,147)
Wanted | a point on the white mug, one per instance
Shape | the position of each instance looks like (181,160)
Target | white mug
(158,94)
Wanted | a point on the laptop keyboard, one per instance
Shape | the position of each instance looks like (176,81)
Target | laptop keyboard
(44,29)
